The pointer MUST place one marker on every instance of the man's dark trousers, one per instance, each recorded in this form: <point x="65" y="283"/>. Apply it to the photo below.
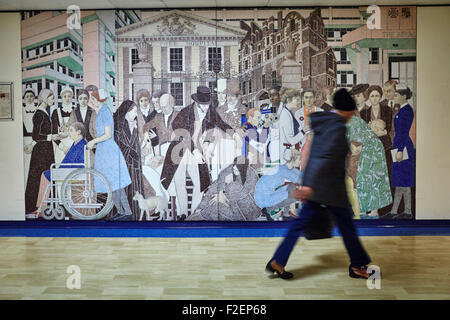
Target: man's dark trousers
<point x="344" y="220"/>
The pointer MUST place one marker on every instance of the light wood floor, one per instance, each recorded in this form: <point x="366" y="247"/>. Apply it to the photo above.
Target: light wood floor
<point x="218" y="268"/>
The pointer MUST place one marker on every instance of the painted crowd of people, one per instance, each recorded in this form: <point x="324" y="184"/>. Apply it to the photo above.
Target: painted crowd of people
<point x="208" y="160"/>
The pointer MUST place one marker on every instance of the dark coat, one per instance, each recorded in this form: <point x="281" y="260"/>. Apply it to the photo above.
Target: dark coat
<point x="89" y="121"/>
<point x="325" y="170"/>
<point x="186" y="120"/>
<point x="41" y="158"/>
<point x="129" y="144"/>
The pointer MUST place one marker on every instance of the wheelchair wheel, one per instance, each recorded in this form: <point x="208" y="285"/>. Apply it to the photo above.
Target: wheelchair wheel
<point x="80" y="198"/>
<point x="58" y="212"/>
<point x="47" y="213"/>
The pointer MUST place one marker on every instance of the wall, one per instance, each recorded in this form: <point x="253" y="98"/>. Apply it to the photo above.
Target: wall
<point x="433" y="133"/>
<point x="11" y="146"/>
<point x="433" y="116"/>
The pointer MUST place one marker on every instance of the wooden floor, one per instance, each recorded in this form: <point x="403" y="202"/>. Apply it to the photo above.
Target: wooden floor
<point x="218" y="268"/>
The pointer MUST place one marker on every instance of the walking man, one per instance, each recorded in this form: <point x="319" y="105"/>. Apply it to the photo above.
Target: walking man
<point x="324" y="184"/>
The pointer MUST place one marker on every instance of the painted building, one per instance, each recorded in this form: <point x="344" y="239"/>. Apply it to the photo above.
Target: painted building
<point x="388" y="53"/>
<point x="264" y="50"/>
<point x="54" y="55"/>
<point x="175" y="51"/>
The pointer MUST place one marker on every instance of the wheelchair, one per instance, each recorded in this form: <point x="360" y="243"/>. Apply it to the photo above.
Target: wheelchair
<point x="72" y="186"/>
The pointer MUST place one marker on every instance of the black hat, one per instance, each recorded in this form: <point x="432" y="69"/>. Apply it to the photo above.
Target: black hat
<point x="361" y="87"/>
<point x="342" y="100"/>
<point x="203" y="95"/>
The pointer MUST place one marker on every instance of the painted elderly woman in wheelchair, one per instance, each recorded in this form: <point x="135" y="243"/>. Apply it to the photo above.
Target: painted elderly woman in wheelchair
<point x="74" y="155"/>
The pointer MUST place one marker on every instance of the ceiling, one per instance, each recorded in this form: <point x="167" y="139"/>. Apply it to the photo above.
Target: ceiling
<point x="15" y="5"/>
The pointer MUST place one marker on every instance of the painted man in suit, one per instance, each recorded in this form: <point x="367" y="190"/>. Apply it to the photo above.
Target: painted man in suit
<point x="388" y="101"/>
<point x="84" y="114"/>
<point x="324" y="184"/>
<point x="191" y="149"/>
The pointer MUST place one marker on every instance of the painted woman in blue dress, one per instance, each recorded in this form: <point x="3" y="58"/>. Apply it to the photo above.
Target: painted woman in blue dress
<point x="403" y="153"/>
<point x="108" y="157"/>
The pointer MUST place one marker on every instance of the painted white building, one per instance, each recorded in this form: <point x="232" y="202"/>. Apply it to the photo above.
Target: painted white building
<point x="175" y="51"/>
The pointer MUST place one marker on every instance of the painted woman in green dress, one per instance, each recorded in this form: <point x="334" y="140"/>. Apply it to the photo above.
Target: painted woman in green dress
<point x="372" y="180"/>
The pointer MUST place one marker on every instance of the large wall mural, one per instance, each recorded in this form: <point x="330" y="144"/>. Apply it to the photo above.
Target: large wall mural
<point x="201" y="115"/>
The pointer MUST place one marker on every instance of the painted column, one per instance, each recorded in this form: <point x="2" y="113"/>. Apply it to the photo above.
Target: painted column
<point x="143" y="70"/>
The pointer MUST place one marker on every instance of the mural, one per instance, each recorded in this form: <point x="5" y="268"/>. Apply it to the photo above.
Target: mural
<point x="198" y="115"/>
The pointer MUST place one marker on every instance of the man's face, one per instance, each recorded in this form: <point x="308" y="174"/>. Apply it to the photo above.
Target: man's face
<point x="143" y="102"/>
<point x="374" y="97"/>
<point x="399" y="99"/>
<point x="359" y="98"/>
<point x="389" y="92"/>
<point x="295" y="103"/>
<point x="83" y="100"/>
<point x="308" y="99"/>
<point x="222" y="97"/>
<point x="156" y="104"/>
<point x="255" y="118"/>
<point x="232" y="99"/>
<point x="73" y="133"/>
<point x="166" y="108"/>
<point x="274" y="97"/>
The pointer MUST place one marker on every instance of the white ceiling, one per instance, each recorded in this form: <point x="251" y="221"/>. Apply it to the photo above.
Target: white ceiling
<point x="12" y="5"/>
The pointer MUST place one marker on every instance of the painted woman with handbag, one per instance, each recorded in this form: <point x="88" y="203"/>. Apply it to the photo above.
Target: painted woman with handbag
<point x="403" y="154"/>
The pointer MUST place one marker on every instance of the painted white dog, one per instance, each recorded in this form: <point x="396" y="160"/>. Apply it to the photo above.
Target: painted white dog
<point x="156" y="204"/>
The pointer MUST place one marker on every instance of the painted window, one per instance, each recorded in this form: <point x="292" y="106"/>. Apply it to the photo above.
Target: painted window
<point x="176" y="59"/>
<point x="176" y="90"/>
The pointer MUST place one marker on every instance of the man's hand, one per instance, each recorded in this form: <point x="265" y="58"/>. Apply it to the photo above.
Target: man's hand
<point x="399" y="156"/>
<point x="302" y="194"/>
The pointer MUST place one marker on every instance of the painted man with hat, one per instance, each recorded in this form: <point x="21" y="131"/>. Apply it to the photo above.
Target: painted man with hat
<point x="324" y="184"/>
<point x="192" y="147"/>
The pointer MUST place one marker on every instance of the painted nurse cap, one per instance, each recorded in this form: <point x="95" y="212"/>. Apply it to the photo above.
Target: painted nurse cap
<point x="66" y="88"/>
<point x="29" y="89"/>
